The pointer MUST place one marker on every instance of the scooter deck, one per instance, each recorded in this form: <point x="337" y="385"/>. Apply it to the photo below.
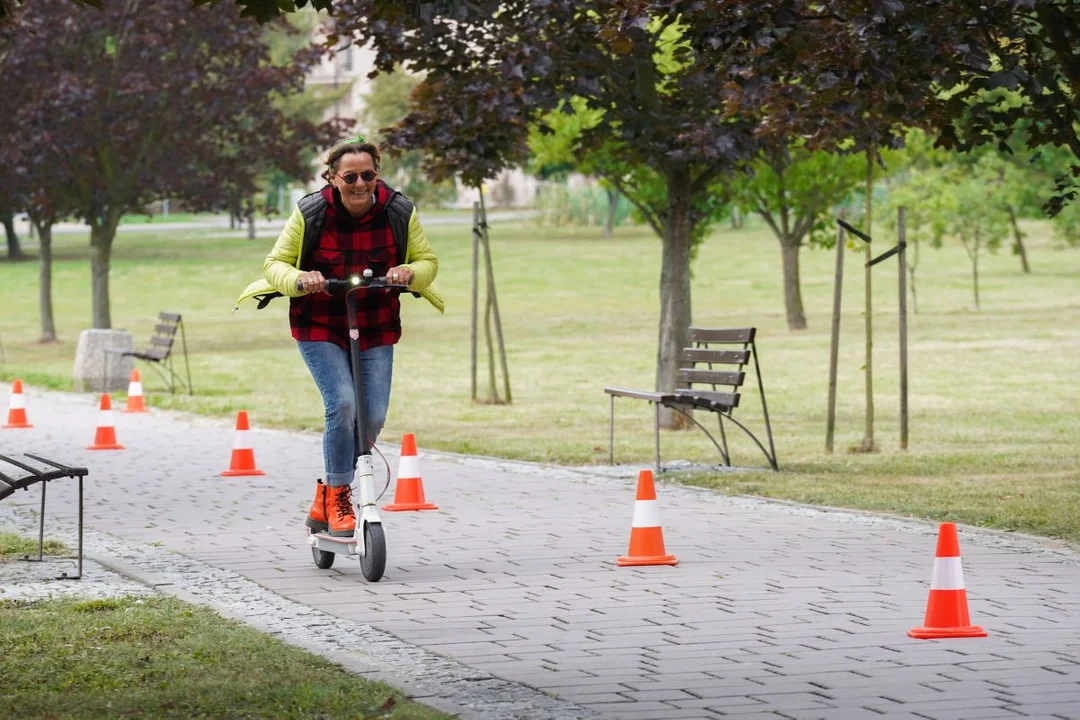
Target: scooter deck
<point x="329" y="543"/>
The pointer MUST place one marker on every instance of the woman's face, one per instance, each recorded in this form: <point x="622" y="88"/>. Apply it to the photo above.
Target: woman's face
<point x="356" y="196"/>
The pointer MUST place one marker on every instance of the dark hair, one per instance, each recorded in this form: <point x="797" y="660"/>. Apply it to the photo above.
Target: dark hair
<point x="349" y="148"/>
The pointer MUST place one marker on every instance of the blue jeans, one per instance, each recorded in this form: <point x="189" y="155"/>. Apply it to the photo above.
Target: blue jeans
<point x="330" y="367"/>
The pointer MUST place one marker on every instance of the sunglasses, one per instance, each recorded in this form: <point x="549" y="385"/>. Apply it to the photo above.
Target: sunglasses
<point x="350" y="178"/>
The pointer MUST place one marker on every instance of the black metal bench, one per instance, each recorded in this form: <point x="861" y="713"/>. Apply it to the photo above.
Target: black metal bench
<point x="159" y="353"/>
<point x="723" y="403"/>
<point x="52" y="470"/>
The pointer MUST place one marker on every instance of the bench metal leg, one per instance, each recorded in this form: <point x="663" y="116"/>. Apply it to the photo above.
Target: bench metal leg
<point x="79" y="576"/>
<point x="723" y="439"/>
<point x="611" y="433"/>
<point x="187" y="365"/>
<point x="41" y="527"/>
<point x="770" y="458"/>
<point x="764" y="410"/>
<point x="691" y="418"/>
<point x="656" y="434"/>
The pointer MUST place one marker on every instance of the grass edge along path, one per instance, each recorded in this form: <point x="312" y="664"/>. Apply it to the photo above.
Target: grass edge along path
<point x="161" y="657"/>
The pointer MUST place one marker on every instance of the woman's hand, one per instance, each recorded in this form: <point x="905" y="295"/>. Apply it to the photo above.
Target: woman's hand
<point x="400" y="275"/>
<point x="311" y="282"/>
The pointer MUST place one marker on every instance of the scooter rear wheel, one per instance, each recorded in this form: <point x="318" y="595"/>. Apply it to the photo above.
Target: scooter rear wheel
<point x="323" y="560"/>
<point x="373" y="561"/>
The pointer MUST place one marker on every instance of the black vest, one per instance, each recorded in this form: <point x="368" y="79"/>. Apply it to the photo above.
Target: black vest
<point x="313" y="207"/>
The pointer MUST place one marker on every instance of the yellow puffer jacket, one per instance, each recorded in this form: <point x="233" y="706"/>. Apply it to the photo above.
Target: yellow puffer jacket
<point x="281" y="267"/>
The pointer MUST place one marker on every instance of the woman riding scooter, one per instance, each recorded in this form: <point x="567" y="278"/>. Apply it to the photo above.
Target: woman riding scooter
<point x="355" y="222"/>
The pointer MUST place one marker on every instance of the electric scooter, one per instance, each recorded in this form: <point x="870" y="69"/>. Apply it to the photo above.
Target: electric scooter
<point x="368" y="540"/>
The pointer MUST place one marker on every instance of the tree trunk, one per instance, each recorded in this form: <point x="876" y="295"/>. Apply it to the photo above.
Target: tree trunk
<point x="1018" y="237"/>
<point x="249" y="217"/>
<point x="914" y="296"/>
<point x="102" y="234"/>
<point x="609" y="223"/>
<point x="48" y="326"/>
<point x="796" y="317"/>
<point x="868" y="437"/>
<point x="675" y="307"/>
<point x="14" y="249"/>
<point x="911" y="273"/>
<point x="975" y="268"/>
<point x="736" y="218"/>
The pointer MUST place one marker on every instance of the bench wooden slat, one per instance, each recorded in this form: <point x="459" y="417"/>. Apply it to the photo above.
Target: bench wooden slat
<point x="718" y="335"/>
<point x="707" y="397"/>
<point x="152" y="354"/>
<point x="165" y="342"/>
<point x="711" y="377"/>
<point x="717" y="357"/>
<point x="169" y="317"/>
<point x="639" y="394"/>
<point x="165" y="329"/>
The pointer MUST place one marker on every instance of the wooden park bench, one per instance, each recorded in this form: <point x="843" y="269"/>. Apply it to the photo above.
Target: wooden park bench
<point x="159" y="353"/>
<point x="721" y="402"/>
<point x="43" y="471"/>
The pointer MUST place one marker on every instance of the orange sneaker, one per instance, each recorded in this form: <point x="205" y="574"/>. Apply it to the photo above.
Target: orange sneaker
<point x="339" y="511"/>
<point x="316" y="519"/>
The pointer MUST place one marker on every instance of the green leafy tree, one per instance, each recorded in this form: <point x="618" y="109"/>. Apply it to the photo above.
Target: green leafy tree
<point x="1067" y="226"/>
<point x="926" y="208"/>
<point x="494" y="69"/>
<point x="977" y="224"/>
<point x="555" y="144"/>
<point x="385" y="105"/>
<point x="150" y="100"/>
<point x="795" y="191"/>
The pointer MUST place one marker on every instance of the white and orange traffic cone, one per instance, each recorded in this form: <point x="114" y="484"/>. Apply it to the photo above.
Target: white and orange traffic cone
<point x="135" y="402"/>
<point x="243" y="455"/>
<point x="947" y="608"/>
<point x="409" y="493"/>
<point x="646" y="535"/>
<point x="17" y="408"/>
<point x="105" y="437"/>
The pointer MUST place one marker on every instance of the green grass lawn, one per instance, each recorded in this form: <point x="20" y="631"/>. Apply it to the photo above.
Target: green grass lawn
<point x="159" y="657"/>
<point x="995" y="436"/>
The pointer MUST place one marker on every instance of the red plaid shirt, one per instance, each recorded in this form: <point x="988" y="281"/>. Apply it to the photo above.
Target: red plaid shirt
<point x="346" y="247"/>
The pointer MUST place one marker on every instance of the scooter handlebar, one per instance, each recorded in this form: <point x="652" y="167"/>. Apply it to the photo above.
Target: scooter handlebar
<point x="333" y="285"/>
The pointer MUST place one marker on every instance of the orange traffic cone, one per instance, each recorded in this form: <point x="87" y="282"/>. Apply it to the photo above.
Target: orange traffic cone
<point x="135" y="402"/>
<point x="947" y="609"/>
<point x="646" y="535"/>
<point x="409" y="494"/>
<point x="105" y="437"/>
<point x="17" y="411"/>
<point x="243" y="455"/>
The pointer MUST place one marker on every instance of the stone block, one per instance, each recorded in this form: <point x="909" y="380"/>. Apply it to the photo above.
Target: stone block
<point x="98" y="365"/>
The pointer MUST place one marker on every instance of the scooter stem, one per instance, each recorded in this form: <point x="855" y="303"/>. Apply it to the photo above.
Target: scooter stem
<point x="366" y="473"/>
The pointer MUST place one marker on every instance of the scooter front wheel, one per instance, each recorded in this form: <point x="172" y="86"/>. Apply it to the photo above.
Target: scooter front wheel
<point x="373" y="561"/>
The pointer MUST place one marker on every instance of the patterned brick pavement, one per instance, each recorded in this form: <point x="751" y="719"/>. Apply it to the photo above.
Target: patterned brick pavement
<point x="772" y="610"/>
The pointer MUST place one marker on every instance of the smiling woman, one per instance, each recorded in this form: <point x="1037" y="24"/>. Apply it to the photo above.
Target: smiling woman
<point x="352" y="168"/>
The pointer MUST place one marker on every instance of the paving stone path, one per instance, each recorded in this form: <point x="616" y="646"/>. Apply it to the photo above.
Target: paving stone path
<point x="774" y="610"/>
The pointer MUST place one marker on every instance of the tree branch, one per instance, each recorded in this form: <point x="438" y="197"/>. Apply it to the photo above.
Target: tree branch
<point x="649" y="213"/>
<point x="701" y="183"/>
<point x="803" y="224"/>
